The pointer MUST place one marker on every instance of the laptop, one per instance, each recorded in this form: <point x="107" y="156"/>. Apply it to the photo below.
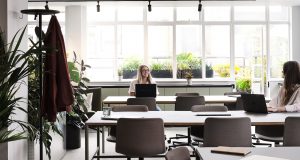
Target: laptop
<point x="145" y="90"/>
<point x="254" y="103"/>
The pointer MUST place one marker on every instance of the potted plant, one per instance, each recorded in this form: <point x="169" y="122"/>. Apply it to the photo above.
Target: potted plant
<point x="189" y="75"/>
<point x="120" y="74"/>
<point x="130" y="67"/>
<point x="78" y="115"/>
<point x="209" y="71"/>
<point x="187" y="61"/>
<point x="243" y="84"/>
<point x="161" y="69"/>
<point x="13" y="69"/>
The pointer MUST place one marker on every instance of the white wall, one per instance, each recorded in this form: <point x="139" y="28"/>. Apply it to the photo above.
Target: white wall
<point x="296" y="33"/>
<point x="10" y="23"/>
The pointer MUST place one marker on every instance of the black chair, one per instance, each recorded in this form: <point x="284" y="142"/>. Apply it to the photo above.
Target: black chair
<point x="140" y="137"/>
<point x="232" y="132"/>
<point x="238" y="105"/>
<point x="198" y="131"/>
<point x="291" y="131"/>
<point x="96" y="100"/>
<point x="150" y="102"/>
<point x="180" y="153"/>
<point x="185" y="103"/>
<point x="128" y="108"/>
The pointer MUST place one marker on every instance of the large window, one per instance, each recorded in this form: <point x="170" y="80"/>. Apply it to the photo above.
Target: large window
<point x="222" y="42"/>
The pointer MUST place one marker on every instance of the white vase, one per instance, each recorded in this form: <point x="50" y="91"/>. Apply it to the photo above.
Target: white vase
<point x="189" y="82"/>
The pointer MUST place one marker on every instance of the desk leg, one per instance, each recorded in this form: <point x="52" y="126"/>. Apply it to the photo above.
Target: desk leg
<point x="86" y="143"/>
<point x="103" y="139"/>
<point x="98" y="142"/>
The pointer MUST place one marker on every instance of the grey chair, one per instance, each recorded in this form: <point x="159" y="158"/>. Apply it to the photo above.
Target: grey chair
<point x="128" y="108"/>
<point x="232" y="132"/>
<point x="140" y="137"/>
<point x="180" y="153"/>
<point x="185" y="103"/>
<point x="238" y="105"/>
<point x="198" y="131"/>
<point x="150" y="102"/>
<point x="291" y="131"/>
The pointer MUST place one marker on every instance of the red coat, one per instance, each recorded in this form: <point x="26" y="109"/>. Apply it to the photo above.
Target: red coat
<point x="57" y="90"/>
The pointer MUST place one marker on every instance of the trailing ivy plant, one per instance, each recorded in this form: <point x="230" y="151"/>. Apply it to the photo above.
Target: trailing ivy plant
<point x="13" y="70"/>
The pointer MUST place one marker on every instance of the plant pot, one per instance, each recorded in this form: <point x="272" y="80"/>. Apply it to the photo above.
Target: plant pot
<point x="189" y="82"/>
<point x="128" y="74"/>
<point x="73" y="139"/>
<point x="161" y="73"/>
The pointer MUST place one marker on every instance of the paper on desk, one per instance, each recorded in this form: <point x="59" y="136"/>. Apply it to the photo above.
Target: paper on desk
<point x="118" y="117"/>
<point x="260" y="157"/>
<point x="231" y="150"/>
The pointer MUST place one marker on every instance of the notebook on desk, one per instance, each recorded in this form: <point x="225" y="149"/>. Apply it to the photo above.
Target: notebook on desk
<point x="231" y="150"/>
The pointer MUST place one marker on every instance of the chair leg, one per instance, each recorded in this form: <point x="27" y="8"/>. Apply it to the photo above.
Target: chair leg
<point x="140" y="158"/>
<point x="128" y="158"/>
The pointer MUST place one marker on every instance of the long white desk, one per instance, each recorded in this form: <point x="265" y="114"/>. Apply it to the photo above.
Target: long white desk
<point x="168" y="99"/>
<point x="291" y="153"/>
<point x="180" y="118"/>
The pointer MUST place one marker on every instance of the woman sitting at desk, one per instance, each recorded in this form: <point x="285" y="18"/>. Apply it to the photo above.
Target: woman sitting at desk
<point x="288" y="98"/>
<point x="143" y="77"/>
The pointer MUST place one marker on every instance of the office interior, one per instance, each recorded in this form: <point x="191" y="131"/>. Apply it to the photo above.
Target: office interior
<point x="228" y="40"/>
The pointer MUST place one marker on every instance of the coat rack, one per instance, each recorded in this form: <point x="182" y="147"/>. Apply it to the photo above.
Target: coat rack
<point x="40" y="13"/>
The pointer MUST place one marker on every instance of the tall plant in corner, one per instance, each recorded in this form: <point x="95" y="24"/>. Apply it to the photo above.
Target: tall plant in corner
<point x="13" y="70"/>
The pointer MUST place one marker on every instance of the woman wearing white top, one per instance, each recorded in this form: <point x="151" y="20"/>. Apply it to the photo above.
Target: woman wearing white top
<point x="288" y="98"/>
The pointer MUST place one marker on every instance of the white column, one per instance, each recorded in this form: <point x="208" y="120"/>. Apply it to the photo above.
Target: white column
<point x="75" y="25"/>
<point x="296" y="33"/>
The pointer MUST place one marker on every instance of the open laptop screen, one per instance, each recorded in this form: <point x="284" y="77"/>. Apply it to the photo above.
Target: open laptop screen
<point x="145" y="90"/>
<point x="255" y="103"/>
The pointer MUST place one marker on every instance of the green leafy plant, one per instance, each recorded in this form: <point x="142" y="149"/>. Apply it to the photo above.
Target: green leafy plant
<point x="120" y="72"/>
<point x="188" y="74"/>
<point x="163" y="65"/>
<point x="224" y="69"/>
<point x="79" y="109"/>
<point x="243" y="84"/>
<point x="13" y="69"/>
<point x="188" y="61"/>
<point x="131" y="64"/>
<point x="33" y="109"/>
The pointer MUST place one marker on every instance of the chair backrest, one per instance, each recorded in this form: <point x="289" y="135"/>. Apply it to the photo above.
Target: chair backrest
<point x="140" y="137"/>
<point x="187" y="94"/>
<point x="180" y="153"/>
<point x="232" y="132"/>
<point x="186" y="103"/>
<point x="96" y="99"/>
<point x="150" y="102"/>
<point x="204" y="108"/>
<point x="238" y="105"/>
<point x="291" y="131"/>
<point x="130" y="108"/>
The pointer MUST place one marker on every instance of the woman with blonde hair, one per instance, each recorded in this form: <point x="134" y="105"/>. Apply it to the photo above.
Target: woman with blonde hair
<point x="143" y="77"/>
<point x="288" y="98"/>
